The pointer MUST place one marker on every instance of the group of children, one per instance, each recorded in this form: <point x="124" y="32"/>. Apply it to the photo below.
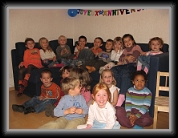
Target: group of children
<point x="73" y="100"/>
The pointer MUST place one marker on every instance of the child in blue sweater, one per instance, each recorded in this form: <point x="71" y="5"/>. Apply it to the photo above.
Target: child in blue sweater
<point x="138" y="100"/>
<point x="71" y="109"/>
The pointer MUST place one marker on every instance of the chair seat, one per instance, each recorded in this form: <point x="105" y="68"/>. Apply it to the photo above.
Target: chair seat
<point x="162" y="101"/>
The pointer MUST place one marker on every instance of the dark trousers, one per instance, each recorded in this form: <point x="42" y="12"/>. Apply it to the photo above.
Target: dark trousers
<point x="144" y="120"/>
<point x="122" y="75"/>
<point x="23" y="71"/>
<point x="95" y="63"/>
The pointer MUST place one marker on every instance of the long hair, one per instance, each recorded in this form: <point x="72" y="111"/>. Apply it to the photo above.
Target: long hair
<point x="40" y="43"/>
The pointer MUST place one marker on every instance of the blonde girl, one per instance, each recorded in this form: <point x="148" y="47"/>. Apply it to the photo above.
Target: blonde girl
<point x="47" y="55"/>
<point x="115" y="54"/>
<point x="107" y="78"/>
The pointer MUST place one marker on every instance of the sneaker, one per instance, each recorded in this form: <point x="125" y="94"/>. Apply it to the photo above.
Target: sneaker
<point x="29" y="110"/>
<point x="49" y="111"/>
<point x="18" y="108"/>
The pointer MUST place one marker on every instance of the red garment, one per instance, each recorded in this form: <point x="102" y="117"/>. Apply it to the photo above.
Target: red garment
<point x="32" y="56"/>
<point x="53" y="91"/>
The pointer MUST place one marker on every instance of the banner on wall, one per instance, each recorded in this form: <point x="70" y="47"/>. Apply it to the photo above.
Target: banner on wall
<point x="107" y="12"/>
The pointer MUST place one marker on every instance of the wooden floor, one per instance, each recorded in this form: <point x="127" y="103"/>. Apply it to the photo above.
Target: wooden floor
<point x="18" y="120"/>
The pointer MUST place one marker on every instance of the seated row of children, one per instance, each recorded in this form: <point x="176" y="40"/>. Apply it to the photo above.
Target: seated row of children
<point x="119" y="51"/>
<point x="72" y="101"/>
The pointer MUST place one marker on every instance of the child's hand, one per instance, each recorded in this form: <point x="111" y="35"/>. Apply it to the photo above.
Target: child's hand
<point x="20" y="65"/>
<point x="143" y="53"/>
<point x="71" y="110"/>
<point x="132" y="119"/>
<point x="79" y="111"/>
<point x="130" y="58"/>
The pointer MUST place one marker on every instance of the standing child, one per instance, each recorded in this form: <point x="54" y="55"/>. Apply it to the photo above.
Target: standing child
<point x="107" y="77"/>
<point x="98" y="42"/>
<point x="49" y="111"/>
<point x="50" y="93"/>
<point x="138" y="101"/>
<point x="72" y="107"/>
<point x="31" y="60"/>
<point x="156" y="45"/>
<point x="101" y="114"/>
<point x="103" y="58"/>
<point x="63" y="50"/>
<point x="115" y="54"/>
<point x="47" y="55"/>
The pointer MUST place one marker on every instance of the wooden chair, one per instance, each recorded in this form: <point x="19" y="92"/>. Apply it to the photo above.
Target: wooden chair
<point x="161" y="102"/>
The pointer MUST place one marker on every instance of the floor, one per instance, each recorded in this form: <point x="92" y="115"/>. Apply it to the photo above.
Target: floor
<point x="33" y="121"/>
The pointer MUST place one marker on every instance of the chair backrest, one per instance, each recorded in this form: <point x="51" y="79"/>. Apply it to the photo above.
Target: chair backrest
<point x="162" y="86"/>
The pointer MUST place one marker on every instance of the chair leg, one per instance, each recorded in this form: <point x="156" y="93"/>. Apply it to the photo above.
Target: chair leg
<point x="155" y="117"/>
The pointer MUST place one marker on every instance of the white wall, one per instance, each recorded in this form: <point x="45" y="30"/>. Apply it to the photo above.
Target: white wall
<point x="51" y="23"/>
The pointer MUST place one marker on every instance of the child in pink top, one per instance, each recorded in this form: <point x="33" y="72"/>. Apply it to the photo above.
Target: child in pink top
<point x="31" y="60"/>
<point x="143" y="62"/>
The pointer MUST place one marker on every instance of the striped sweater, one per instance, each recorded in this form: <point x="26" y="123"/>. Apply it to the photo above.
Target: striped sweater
<point x="139" y="100"/>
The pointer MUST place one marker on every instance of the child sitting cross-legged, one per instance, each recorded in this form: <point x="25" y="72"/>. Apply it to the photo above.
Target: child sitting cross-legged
<point x="138" y="100"/>
<point x="71" y="109"/>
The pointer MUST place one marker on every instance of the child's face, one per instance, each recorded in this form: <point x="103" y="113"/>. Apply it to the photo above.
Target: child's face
<point x="30" y="44"/>
<point x="101" y="98"/>
<point x="117" y="45"/>
<point x="62" y="41"/>
<point x="65" y="74"/>
<point x="46" y="79"/>
<point x="109" y="46"/>
<point x="128" y="42"/>
<point x="82" y="43"/>
<point x="44" y="43"/>
<point x="107" y="78"/>
<point x="139" y="82"/>
<point x="155" y="45"/>
<point x="97" y="43"/>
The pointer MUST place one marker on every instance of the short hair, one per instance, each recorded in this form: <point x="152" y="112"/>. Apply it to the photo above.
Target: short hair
<point x="82" y="37"/>
<point x="62" y="36"/>
<point x="29" y="39"/>
<point x="110" y="40"/>
<point x="69" y="83"/>
<point x="101" y="86"/>
<point x="46" y="70"/>
<point x="140" y="72"/>
<point x="100" y="39"/>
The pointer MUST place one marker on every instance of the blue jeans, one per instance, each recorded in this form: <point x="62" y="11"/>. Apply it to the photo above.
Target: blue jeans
<point x="72" y="62"/>
<point x="122" y="75"/>
<point x="38" y="105"/>
<point x="145" y="61"/>
<point x="98" y="125"/>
